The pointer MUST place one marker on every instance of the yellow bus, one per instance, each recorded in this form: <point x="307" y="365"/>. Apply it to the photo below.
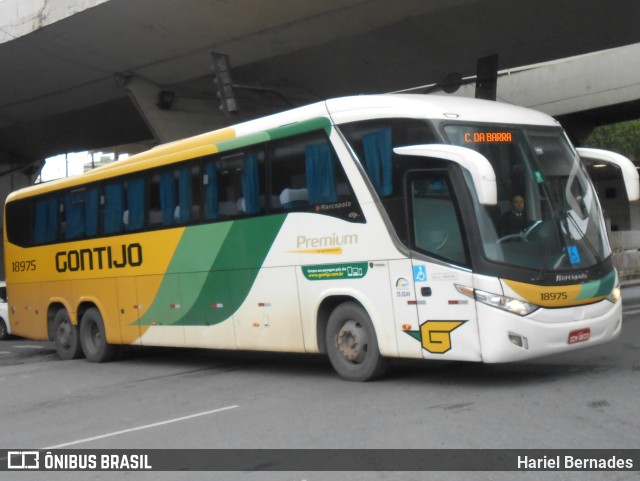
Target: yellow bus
<point x="366" y="228"/>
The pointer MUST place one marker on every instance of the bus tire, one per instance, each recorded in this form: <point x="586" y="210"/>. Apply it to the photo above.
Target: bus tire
<point x="4" y="331"/>
<point x="352" y="346"/>
<point x="93" y="338"/>
<point x="66" y="337"/>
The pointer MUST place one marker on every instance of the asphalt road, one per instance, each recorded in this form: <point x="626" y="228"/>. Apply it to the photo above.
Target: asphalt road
<point x="169" y="398"/>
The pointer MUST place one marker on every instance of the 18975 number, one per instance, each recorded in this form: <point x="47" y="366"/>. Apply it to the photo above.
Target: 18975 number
<point x="553" y="296"/>
<point x="23" y="266"/>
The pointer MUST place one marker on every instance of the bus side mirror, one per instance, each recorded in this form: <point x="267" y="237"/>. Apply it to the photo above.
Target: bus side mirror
<point x="482" y="173"/>
<point x="629" y="171"/>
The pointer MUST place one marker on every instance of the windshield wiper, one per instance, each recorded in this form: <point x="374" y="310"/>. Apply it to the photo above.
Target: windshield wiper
<point x="583" y="235"/>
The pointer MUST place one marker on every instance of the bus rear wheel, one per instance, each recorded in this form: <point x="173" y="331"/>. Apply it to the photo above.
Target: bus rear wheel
<point x="352" y="345"/>
<point x="93" y="338"/>
<point x="65" y="336"/>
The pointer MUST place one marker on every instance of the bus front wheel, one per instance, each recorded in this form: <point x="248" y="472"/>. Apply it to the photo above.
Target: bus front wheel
<point x="93" y="338"/>
<point x="352" y="345"/>
<point x="65" y="336"/>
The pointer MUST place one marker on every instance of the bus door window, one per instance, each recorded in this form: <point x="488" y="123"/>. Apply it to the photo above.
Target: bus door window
<point x="435" y="219"/>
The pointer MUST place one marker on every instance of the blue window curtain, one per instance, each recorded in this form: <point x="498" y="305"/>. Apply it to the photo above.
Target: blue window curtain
<point x="167" y="197"/>
<point x="135" y="203"/>
<point x="185" y="200"/>
<point x="251" y="184"/>
<point x="114" y="207"/>
<point x="91" y="197"/>
<point x="378" y="156"/>
<point x="321" y="184"/>
<point x="211" y="191"/>
<point x="81" y="213"/>
<point x="46" y="221"/>
<point x="74" y="214"/>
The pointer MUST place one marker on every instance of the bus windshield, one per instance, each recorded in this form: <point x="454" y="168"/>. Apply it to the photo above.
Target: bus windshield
<point x="548" y="217"/>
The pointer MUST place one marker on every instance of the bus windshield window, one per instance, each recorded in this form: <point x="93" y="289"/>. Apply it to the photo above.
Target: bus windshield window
<point x="547" y="217"/>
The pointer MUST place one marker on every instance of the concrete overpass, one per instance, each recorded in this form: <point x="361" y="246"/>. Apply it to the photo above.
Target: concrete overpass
<point x="82" y="74"/>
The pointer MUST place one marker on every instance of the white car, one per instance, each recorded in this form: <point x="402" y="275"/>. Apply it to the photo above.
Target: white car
<point x="5" y="328"/>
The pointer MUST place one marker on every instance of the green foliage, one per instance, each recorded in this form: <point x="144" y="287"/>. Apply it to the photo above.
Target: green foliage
<point x="623" y="138"/>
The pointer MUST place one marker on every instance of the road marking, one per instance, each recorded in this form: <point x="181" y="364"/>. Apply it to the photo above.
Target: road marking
<point x="139" y="428"/>
<point x="631" y="312"/>
<point x="28" y="346"/>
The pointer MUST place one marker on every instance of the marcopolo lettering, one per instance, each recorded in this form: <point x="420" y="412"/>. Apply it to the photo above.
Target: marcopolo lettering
<point x="99" y="258"/>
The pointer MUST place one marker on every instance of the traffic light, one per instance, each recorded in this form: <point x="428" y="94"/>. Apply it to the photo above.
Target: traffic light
<point x="487" y="77"/>
<point x="224" y="84"/>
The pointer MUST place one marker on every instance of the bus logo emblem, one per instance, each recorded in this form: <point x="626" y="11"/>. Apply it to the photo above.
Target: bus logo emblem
<point x="435" y="336"/>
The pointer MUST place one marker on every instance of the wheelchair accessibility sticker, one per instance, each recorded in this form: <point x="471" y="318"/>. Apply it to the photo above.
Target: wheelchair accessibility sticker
<point x="420" y="273"/>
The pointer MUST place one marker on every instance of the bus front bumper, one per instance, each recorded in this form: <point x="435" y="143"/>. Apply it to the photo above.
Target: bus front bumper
<point x="506" y="337"/>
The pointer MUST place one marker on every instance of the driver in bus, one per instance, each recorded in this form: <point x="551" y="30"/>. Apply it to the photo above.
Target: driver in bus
<point x="513" y="221"/>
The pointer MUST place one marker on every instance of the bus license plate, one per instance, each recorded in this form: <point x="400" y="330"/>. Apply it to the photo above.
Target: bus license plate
<point x="580" y="335"/>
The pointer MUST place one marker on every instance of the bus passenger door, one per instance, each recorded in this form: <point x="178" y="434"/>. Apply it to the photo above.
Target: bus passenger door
<point x="447" y="320"/>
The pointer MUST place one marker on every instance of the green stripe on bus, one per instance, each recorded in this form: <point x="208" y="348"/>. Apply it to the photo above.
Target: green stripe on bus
<point x="599" y="288"/>
<point x="214" y="283"/>
<point x="277" y="133"/>
<point x="300" y="128"/>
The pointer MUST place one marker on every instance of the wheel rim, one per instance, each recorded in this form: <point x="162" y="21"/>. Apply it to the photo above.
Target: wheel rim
<point x="63" y="334"/>
<point x="352" y="342"/>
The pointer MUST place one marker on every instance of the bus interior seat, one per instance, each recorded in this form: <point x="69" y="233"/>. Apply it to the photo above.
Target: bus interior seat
<point x="290" y="198"/>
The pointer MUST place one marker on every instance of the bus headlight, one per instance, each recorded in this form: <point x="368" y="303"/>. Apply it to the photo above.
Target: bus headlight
<point x="516" y="306"/>
<point x="614" y="295"/>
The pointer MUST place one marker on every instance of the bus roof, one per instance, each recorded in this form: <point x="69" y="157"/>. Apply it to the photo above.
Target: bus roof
<point x="436" y="107"/>
<point x="341" y="110"/>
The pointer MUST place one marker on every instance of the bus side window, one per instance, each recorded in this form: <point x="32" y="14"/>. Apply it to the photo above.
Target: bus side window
<point x="378" y="153"/>
<point x="373" y="142"/>
<point x="81" y="213"/>
<point x="20" y="222"/>
<point x="239" y="188"/>
<point x="135" y="208"/>
<point x="174" y="197"/>
<point x="288" y="177"/>
<point x="113" y="207"/>
<point x="123" y="205"/>
<point x="306" y="175"/>
<point x="305" y="172"/>
<point x="210" y="182"/>
<point x="46" y="220"/>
